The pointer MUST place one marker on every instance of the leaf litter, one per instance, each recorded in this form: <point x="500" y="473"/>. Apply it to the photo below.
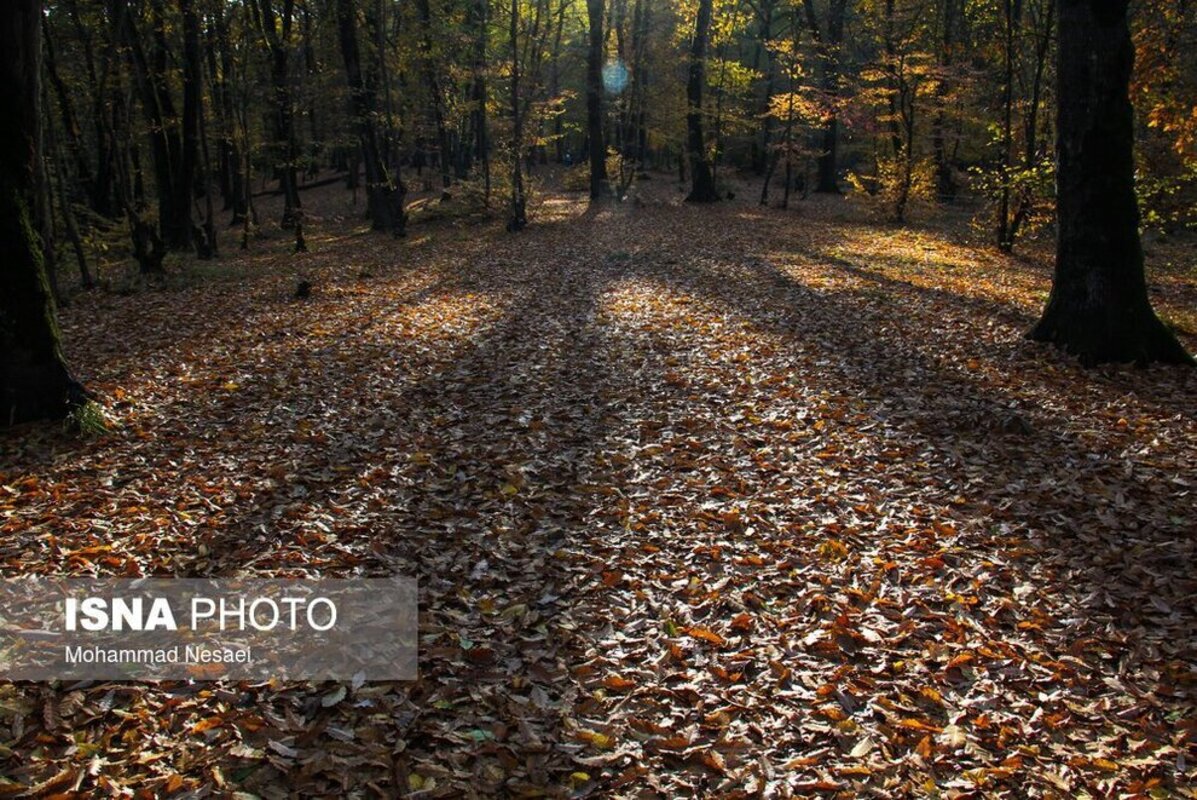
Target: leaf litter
<point x="701" y="500"/>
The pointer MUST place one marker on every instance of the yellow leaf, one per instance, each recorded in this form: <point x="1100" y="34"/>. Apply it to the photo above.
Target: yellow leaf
<point x="599" y="740"/>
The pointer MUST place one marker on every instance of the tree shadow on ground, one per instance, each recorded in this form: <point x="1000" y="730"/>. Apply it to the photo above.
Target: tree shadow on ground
<point x="584" y="407"/>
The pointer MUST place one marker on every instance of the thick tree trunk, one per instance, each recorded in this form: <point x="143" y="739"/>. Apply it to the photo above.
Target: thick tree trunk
<point x="34" y="380"/>
<point x="384" y="198"/>
<point x="702" y="189"/>
<point x="1099" y="309"/>
<point x="594" y="102"/>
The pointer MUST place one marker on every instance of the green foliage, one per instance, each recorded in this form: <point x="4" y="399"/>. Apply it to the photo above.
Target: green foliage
<point x="88" y="421"/>
<point x="1168" y="198"/>
<point x="1033" y="188"/>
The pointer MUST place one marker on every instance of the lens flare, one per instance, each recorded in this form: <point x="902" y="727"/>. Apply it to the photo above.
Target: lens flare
<point x="615" y="77"/>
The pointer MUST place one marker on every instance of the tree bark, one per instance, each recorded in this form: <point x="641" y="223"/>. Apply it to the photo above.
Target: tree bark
<point x="702" y="188"/>
<point x="34" y="380"/>
<point x="594" y="102"/>
<point x="1098" y="309"/>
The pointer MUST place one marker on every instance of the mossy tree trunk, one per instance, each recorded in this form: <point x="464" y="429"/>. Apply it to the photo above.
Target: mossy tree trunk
<point x="1098" y="309"/>
<point x="34" y="380"/>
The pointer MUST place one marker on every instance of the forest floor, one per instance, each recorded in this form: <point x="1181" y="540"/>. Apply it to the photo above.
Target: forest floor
<point x="717" y="499"/>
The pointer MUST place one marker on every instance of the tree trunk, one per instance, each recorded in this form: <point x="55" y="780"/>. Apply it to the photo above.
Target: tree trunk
<point x="945" y="183"/>
<point x="1099" y="309"/>
<point x="434" y="90"/>
<point x="1005" y="231"/>
<point x="228" y="152"/>
<point x="166" y="138"/>
<point x="278" y="42"/>
<point x="1031" y="155"/>
<point x="64" y="200"/>
<point x="384" y="198"/>
<point x="702" y="189"/>
<point x="478" y="97"/>
<point x="640" y="75"/>
<point x="761" y="160"/>
<point x="193" y="87"/>
<point x="73" y="143"/>
<point x="594" y="102"/>
<point x="519" y="217"/>
<point x="34" y="380"/>
<point x="829" y="65"/>
<point x="98" y="92"/>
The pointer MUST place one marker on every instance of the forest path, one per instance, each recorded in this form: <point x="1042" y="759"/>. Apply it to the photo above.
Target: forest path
<point x="699" y="499"/>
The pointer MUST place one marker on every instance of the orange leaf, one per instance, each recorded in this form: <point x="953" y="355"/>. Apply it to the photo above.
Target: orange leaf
<point x="707" y="635"/>
<point x="207" y="724"/>
<point x="618" y="683"/>
<point x="919" y="725"/>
